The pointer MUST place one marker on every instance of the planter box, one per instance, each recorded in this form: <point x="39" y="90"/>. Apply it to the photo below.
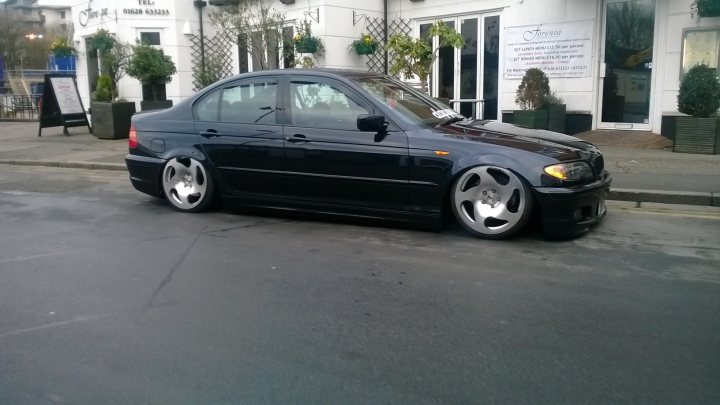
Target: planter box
<point x="537" y="119"/>
<point x="556" y="117"/>
<point x="697" y="135"/>
<point x="111" y="120"/>
<point x="155" y="105"/>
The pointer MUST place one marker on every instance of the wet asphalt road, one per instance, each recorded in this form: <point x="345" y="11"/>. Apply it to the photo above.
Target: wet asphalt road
<point x="108" y="296"/>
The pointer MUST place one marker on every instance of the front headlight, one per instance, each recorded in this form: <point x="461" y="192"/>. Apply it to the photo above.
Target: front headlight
<point x="570" y="172"/>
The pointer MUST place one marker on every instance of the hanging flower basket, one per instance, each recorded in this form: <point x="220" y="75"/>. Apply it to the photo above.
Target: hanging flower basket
<point x="366" y="45"/>
<point x="305" y="41"/>
<point x="305" y="44"/>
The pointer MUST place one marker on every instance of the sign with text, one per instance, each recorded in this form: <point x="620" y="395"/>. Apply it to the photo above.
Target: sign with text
<point x="67" y="96"/>
<point x="559" y="50"/>
<point x="60" y="104"/>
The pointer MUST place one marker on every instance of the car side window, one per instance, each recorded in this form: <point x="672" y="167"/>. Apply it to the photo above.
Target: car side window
<point x="321" y="105"/>
<point x="207" y="108"/>
<point x="252" y="103"/>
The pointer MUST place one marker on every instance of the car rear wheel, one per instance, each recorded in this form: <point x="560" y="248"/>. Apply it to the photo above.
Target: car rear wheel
<point x="187" y="185"/>
<point x="491" y="202"/>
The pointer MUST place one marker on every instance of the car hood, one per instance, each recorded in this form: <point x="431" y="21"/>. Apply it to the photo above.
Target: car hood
<point x="560" y="146"/>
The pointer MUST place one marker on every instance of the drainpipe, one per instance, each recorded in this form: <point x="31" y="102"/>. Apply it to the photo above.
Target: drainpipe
<point x="200" y="5"/>
<point x="385" y="32"/>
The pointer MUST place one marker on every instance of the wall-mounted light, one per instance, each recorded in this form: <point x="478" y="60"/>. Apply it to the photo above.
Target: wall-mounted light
<point x="187" y="29"/>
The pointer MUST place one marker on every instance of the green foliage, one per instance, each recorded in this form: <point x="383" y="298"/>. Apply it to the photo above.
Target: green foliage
<point x="213" y="70"/>
<point x="304" y="40"/>
<point x="533" y="89"/>
<point x="699" y="94"/>
<point x="415" y="56"/>
<point x="61" y="47"/>
<point x="150" y="65"/>
<point x="553" y="99"/>
<point x="102" y="41"/>
<point x="366" y="45"/>
<point x="103" y="89"/>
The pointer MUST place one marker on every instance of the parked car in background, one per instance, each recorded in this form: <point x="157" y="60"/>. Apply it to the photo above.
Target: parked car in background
<point x="365" y="145"/>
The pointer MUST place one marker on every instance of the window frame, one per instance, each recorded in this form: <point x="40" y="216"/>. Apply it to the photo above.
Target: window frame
<point x="220" y="90"/>
<point x="343" y="88"/>
<point x="159" y="36"/>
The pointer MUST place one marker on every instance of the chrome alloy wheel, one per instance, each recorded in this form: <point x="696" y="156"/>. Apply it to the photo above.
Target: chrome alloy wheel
<point x="186" y="184"/>
<point x="491" y="202"/>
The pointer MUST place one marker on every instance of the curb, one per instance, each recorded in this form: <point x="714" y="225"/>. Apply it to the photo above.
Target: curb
<point x="67" y="164"/>
<point x="616" y="194"/>
<point x="665" y="197"/>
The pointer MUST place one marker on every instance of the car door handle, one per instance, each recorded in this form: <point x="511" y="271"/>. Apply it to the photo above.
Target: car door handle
<point x="210" y="133"/>
<point x="297" y="138"/>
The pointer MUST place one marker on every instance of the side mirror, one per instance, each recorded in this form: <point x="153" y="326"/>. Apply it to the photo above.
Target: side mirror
<point x="371" y="123"/>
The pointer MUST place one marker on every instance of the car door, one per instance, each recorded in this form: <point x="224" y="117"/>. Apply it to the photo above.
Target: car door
<point x="242" y="136"/>
<point x="329" y="160"/>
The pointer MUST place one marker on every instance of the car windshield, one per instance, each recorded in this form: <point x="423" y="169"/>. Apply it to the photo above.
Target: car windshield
<point x="412" y="105"/>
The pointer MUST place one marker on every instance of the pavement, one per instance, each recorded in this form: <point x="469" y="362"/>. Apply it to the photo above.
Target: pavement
<point x="643" y="165"/>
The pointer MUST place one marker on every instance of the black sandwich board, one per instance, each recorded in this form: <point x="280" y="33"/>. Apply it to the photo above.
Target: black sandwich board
<point x="60" y="104"/>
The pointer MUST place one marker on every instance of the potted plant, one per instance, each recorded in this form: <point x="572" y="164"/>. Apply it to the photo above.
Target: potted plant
<point x="415" y="56"/>
<point x="699" y="97"/>
<point x="154" y="70"/>
<point x="530" y="96"/>
<point x="556" y="110"/>
<point x="306" y="45"/>
<point x="63" y="54"/>
<point x="366" y="45"/>
<point x="110" y="115"/>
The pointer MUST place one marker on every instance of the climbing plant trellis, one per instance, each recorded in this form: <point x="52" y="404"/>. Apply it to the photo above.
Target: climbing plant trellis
<point x="375" y="27"/>
<point x="217" y="47"/>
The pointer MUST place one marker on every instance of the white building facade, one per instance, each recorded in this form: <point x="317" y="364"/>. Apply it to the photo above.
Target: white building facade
<point x="616" y="63"/>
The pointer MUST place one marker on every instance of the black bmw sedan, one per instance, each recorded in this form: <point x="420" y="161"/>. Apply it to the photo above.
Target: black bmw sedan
<point x="365" y="145"/>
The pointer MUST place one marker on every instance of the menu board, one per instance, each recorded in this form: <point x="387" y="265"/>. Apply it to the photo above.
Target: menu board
<point x="67" y="96"/>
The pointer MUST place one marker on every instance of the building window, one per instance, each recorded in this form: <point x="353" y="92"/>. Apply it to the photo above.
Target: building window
<point x="700" y="46"/>
<point x="62" y="15"/>
<point x="150" y="38"/>
<point x="27" y="12"/>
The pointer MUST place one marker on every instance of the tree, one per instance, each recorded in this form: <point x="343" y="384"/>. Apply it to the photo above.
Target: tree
<point x="415" y="56"/>
<point x="253" y="25"/>
<point x="151" y="67"/>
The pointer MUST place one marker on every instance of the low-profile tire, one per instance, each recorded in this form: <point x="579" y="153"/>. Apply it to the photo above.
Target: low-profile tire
<point x="187" y="185"/>
<point x="491" y="202"/>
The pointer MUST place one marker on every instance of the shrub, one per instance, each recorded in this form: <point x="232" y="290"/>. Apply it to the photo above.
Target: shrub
<point x="103" y="89"/>
<point x="699" y="93"/>
<point x="533" y="89"/>
<point x="61" y="47"/>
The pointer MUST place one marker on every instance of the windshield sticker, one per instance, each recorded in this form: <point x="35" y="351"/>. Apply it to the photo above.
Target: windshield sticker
<point x="444" y="113"/>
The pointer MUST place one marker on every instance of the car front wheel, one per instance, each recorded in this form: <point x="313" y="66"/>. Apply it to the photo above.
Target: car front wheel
<point x="491" y="202"/>
<point x="187" y="185"/>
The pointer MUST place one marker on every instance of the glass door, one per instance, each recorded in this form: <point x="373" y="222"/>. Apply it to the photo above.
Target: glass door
<point x="467" y="78"/>
<point x="626" y="74"/>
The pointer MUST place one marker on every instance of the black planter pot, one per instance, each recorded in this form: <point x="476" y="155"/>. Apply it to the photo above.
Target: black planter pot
<point x="556" y="117"/>
<point x="535" y="119"/>
<point x="111" y="120"/>
<point x="697" y="135"/>
<point x="155" y="105"/>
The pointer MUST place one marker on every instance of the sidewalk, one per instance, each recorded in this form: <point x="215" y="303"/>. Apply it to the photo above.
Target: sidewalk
<point x="643" y="166"/>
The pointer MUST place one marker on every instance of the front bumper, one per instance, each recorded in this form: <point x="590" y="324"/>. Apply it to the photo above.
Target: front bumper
<point x="570" y="211"/>
<point x="145" y="173"/>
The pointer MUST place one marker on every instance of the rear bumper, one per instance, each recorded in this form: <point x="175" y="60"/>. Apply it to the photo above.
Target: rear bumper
<point x="145" y="173"/>
<point x="571" y="211"/>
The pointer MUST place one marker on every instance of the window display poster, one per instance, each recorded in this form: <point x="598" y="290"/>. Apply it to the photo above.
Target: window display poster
<point x="559" y="50"/>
